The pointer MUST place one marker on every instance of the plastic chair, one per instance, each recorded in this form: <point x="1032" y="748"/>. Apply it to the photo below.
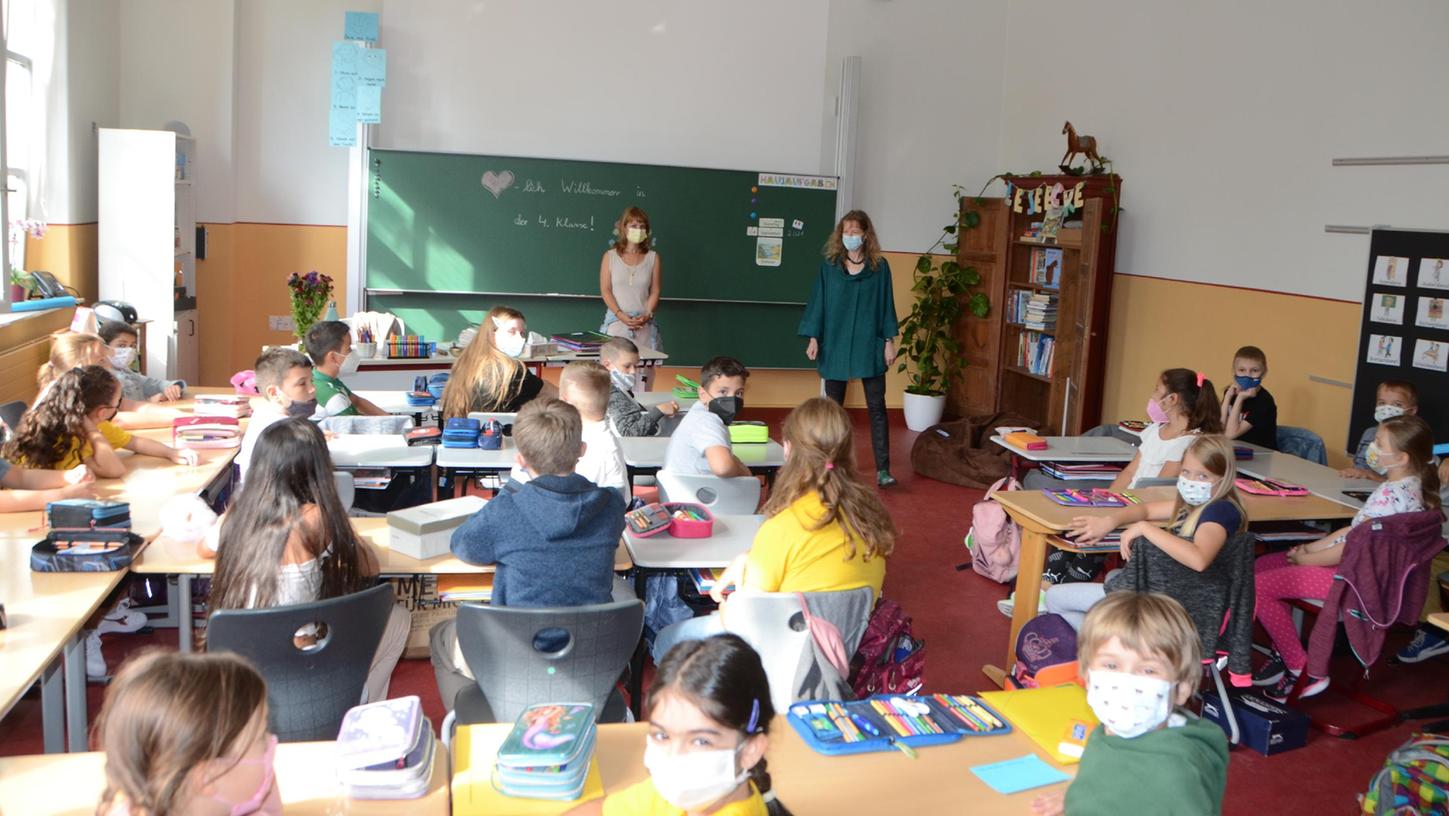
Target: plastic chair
<point x="10" y="414"/>
<point x="1303" y="443"/>
<point x="773" y="624"/>
<point x="506" y="649"/>
<point x="308" y="689"/>
<point x="734" y="496"/>
<point x="346" y="487"/>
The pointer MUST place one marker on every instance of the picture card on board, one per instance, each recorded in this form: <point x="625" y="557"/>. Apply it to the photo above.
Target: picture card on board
<point x="1434" y="273"/>
<point x="1431" y="354"/>
<point x="1387" y="309"/>
<point x="1433" y="313"/>
<point x="1385" y="349"/>
<point x="1391" y="271"/>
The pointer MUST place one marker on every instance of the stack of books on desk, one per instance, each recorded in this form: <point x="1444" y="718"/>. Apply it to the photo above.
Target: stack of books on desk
<point x="1078" y="471"/>
<point x="235" y="406"/>
<point x="580" y="341"/>
<point x="385" y="750"/>
<point x="548" y="753"/>
<point x="473" y="587"/>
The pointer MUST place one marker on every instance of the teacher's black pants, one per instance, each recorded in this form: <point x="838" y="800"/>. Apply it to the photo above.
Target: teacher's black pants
<point x="880" y="440"/>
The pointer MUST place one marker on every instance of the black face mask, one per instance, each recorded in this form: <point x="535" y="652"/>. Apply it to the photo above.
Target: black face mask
<point x="302" y="409"/>
<point x="726" y="408"/>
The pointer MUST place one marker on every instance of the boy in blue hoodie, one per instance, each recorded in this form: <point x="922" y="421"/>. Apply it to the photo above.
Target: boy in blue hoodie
<point x="552" y="538"/>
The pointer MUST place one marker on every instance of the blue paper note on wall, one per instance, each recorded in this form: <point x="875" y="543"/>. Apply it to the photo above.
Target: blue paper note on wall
<point x="372" y="66"/>
<point x="360" y="25"/>
<point x="369" y="104"/>
<point x="345" y="59"/>
<point x="342" y="127"/>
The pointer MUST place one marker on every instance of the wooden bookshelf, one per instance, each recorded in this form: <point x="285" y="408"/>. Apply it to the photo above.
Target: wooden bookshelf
<point x="1067" y="399"/>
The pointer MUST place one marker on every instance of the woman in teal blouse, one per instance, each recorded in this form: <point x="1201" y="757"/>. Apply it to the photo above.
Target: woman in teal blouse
<point x="851" y="323"/>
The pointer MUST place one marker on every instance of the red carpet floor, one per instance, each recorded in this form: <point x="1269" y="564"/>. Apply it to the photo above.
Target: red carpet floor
<point x="955" y="612"/>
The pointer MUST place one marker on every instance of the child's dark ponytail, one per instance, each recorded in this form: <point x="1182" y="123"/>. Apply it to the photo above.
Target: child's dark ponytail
<point x="1199" y="399"/>
<point x="725" y="679"/>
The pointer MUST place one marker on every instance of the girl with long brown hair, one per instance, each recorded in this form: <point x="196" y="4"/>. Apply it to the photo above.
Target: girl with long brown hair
<point x="76" y="349"/>
<point x="287" y="540"/>
<point x="187" y="734"/>
<point x="824" y="529"/>
<point x="851" y="323"/>
<point x="488" y="375"/>
<point x="630" y="277"/>
<point x="1183" y="405"/>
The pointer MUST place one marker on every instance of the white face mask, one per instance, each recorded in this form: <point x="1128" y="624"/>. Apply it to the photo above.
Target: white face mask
<point x="1129" y="705"/>
<point x="1386" y="412"/>
<point x="122" y="357"/>
<point x="624" y="382"/>
<point x="349" y="363"/>
<point x="1194" y="492"/>
<point x="1375" y="459"/>
<point x="636" y="235"/>
<point x="694" y="780"/>
<point x="511" y="344"/>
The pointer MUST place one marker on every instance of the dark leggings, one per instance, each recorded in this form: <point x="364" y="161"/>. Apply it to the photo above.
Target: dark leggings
<point x="880" y="441"/>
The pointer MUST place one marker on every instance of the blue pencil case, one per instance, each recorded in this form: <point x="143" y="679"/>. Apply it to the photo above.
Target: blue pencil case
<point x="893" y="722"/>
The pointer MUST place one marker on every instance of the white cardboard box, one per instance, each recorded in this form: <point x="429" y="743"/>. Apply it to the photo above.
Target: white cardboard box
<point x="424" y="531"/>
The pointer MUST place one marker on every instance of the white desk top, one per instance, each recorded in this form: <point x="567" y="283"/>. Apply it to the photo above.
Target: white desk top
<point x="649" y="399"/>
<point x="732" y="536"/>
<point x="1319" y="479"/>
<point x="648" y="452"/>
<point x="1075" y="449"/>
<point x="394" y="402"/>
<point x="477" y="458"/>
<point x="378" y="450"/>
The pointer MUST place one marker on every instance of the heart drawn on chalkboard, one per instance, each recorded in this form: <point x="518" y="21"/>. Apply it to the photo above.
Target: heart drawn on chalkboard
<point x="497" y="182"/>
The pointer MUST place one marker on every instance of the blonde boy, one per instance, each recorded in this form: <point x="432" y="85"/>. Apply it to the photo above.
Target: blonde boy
<point x="1140" y="658"/>
<point x="626" y="417"/>
<point x="1392" y="398"/>
<point x="585" y="386"/>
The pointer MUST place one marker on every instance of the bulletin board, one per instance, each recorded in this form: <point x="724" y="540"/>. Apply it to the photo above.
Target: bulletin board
<point x="1404" y="331"/>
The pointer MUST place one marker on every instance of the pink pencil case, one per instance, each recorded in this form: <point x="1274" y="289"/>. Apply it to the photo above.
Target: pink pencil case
<point x="1269" y="487"/>
<point x="699" y="525"/>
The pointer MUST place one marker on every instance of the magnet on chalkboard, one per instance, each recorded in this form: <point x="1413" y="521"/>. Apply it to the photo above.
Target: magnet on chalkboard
<point x="754" y="201"/>
<point x="754" y="189"/>
<point x="752" y="216"/>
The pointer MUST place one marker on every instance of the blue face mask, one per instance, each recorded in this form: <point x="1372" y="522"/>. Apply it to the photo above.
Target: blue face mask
<point x="1248" y="383"/>
<point x="852" y="242"/>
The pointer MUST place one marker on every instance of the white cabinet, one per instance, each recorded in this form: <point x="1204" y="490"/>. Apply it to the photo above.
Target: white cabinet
<point x="147" y="241"/>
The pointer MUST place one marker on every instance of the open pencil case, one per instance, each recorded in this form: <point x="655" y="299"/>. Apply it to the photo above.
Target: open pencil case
<point x="1095" y="497"/>
<point x="886" y="722"/>
<point x="1269" y="487"/>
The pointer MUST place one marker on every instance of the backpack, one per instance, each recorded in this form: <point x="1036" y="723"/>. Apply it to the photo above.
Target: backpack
<point x="889" y="660"/>
<point x="1414" y="779"/>
<point x="994" y="539"/>
<point x="1046" y="653"/>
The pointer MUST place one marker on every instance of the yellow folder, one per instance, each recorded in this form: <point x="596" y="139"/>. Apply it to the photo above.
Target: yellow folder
<point x="1044" y="713"/>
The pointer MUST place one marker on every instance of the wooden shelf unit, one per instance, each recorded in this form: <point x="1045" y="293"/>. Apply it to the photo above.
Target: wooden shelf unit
<point x="1067" y="400"/>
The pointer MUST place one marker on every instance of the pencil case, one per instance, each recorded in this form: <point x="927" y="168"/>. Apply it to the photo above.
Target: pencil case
<point x="887" y="721"/>
<point x="65" y="552"/>
<point x="461" y="432"/>
<point x="490" y="435"/>
<point x="749" y="432"/>
<point x="420" y="396"/>
<point x="1096" y="497"/>
<point x="73" y="515"/>
<point x="205" y="432"/>
<point x="1026" y="441"/>
<point x="695" y="521"/>
<point x="1269" y="487"/>
<point x="649" y="520"/>
<point x="436" y="384"/>
<point x="687" y="389"/>
<point x="1240" y="453"/>
<point x="423" y="436"/>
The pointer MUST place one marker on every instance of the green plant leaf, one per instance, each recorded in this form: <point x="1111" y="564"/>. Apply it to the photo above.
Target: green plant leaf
<point x="972" y="219"/>
<point x="923" y="264"/>
<point x="950" y="229"/>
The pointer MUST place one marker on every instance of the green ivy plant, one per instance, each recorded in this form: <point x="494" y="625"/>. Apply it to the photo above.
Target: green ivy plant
<point x="929" y="349"/>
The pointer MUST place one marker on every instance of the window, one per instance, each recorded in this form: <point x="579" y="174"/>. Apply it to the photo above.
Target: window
<point x="27" y="26"/>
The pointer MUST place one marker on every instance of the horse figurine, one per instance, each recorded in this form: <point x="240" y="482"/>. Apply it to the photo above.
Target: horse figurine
<point x="1086" y="145"/>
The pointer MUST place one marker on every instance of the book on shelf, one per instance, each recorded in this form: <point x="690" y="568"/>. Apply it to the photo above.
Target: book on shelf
<point x="1035" y="310"/>
<point x="1046" y="267"/>
<point x="1034" y="352"/>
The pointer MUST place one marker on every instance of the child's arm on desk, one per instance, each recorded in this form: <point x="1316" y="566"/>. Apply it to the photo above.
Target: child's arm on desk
<point x="1091" y="529"/>
<point x="366" y="407"/>
<point x="1050" y="804"/>
<point x="150" y="447"/>
<point x="28" y="489"/>
<point x="103" y="461"/>
<point x="723" y="462"/>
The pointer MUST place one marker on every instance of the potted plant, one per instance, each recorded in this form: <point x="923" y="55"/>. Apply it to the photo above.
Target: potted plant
<point x="309" y="294"/>
<point x="929" y="350"/>
<point x="20" y="281"/>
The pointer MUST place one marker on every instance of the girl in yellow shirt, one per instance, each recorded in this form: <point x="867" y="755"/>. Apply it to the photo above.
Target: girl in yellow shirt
<point x="825" y="529"/>
<point x="709" y="719"/>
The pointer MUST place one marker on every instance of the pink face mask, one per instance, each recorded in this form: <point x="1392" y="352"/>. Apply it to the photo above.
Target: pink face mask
<point x="267" y="799"/>
<point x="1155" y="411"/>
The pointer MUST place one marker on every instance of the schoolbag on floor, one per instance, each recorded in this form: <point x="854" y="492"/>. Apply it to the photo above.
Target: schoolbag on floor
<point x="994" y="539"/>
<point x="1046" y="653"/>
<point x="889" y="660"/>
<point x="1414" y="779"/>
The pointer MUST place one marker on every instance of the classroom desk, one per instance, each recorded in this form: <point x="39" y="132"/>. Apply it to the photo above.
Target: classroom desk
<point x="168" y="557"/>
<point x="472" y="461"/>
<point x="1319" y="479"/>
<point x="386" y="373"/>
<point x="72" y="784"/>
<point x="1440" y="619"/>
<point x="649" y="399"/>
<point x="938" y="781"/>
<point x="645" y="455"/>
<point x="378" y="450"/>
<point x="1041" y="518"/>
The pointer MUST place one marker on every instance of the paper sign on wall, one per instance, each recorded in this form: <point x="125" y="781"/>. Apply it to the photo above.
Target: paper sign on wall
<point x="369" y="104"/>
<point x="360" y="25"/>
<point x="372" y="66"/>
<point x="768" y="251"/>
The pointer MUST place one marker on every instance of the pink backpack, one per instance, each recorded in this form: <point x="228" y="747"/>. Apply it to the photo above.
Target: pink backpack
<point x="994" y="539"/>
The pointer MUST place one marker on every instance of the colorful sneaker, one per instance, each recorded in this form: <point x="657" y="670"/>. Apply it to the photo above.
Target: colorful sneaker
<point x="1281" y="690"/>
<point x="1007" y="605"/>
<point x="1269" y="673"/>
<point x="885" y="479"/>
<point x="122" y="619"/>
<point x="1426" y="644"/>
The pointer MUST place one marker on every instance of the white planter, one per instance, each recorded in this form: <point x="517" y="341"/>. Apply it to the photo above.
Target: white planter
<point x="923" y="411"/>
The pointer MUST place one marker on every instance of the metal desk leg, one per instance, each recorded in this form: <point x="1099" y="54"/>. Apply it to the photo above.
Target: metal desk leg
<point x="76" y="726"/>
<point x="184" y="625"/>
<point x="52" y="710"/>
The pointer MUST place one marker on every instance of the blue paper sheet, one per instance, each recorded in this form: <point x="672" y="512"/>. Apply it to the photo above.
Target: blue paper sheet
<point x="1016" y="775"/>
<point x="360" y="25"/>
<point x="369" y="104"/>
<point x="372" y="66"/>
<point x="342" y="127"/>
<point x="344" y="59"/>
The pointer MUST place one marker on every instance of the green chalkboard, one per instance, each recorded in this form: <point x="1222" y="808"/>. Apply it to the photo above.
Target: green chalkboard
<point x="450" y="235"/>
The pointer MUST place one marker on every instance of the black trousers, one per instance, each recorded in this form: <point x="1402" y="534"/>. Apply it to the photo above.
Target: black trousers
<point x="880" y="440"/>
